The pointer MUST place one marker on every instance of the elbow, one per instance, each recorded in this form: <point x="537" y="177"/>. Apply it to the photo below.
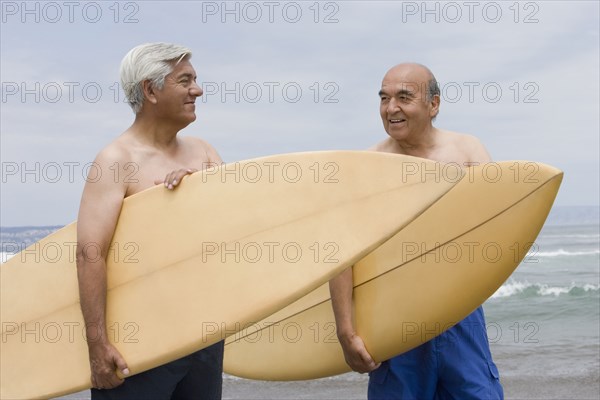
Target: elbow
<point x="86" y="254"/>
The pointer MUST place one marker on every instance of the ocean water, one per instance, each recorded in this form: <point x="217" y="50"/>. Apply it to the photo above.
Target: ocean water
<point x="543" y="323"/>
<point x="545" y="320"/>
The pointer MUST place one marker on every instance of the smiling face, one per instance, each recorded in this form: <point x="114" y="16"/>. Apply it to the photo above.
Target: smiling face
<point x="405" y="108"/>
<point x="175" y="100"/>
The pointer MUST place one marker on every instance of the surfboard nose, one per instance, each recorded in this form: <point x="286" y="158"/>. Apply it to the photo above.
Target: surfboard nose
<point x="552" y="178"/>
<point x="530" y="171"/>
<point x="534" y="175"/>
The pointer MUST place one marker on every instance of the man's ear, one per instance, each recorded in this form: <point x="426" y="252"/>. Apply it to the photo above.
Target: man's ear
<point x="149" y="93"/>
<point x="434" y="105"/>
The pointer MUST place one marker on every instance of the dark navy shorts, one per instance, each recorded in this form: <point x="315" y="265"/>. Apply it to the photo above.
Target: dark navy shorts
<point x="198" y="376"/>
<point x="455" y="365"/>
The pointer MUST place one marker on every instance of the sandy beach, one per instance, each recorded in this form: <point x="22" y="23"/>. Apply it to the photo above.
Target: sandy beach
<point x="354" y="387"/>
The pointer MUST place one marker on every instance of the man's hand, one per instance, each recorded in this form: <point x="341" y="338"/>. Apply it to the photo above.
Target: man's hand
<point x="173" y="178"/>
<point x="105" y="359"/>
<point x="356" y="354"/>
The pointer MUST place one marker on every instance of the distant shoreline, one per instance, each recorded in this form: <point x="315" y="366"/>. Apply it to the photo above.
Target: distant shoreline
<point x="579" y="215"/>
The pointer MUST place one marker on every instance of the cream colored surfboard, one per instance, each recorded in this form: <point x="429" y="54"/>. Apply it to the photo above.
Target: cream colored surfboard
<point x="425" y="279"/>
<point x="188" y="267"/>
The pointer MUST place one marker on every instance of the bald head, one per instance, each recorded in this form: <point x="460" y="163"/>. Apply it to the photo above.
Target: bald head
<point x="416" y="73"/>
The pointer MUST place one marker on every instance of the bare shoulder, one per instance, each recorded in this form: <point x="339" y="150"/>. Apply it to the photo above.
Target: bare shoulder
<point x="115" y="152"/>
<point x="458" y="138"/>
<point x="470" y="146"/>
<point x="103" y="194"/>
<point x="104" y="174"/>
<point x="201" y="146"/>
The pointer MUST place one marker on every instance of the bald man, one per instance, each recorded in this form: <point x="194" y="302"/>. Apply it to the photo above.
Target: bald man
<point x="458" y="363"/>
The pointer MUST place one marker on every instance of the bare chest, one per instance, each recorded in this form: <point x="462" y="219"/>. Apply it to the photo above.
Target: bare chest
<point x="144" y="172"/>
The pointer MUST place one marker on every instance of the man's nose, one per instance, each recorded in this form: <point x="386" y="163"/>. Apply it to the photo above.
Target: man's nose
<point x="196" y="90"/>
<point x="392" y="106"/>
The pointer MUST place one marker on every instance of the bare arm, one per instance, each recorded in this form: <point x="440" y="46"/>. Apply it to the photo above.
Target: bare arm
<point x="341" y="289"/>
<point x="98" y="213"/>
<point x="355" y="352"/>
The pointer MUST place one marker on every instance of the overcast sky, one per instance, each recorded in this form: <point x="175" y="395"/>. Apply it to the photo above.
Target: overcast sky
<point x="283" y="76"/>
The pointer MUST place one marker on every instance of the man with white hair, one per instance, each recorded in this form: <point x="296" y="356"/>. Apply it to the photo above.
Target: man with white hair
<point x="458" y="363"/>
<point x="160" y="85"/>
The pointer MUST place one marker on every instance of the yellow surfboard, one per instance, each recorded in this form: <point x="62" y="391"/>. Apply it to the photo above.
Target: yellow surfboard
<point x="422" y="281"/>
<point x="189" y="267"/>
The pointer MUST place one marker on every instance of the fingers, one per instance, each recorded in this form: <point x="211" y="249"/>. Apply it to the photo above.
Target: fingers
<point x="174" y="178"/>
<point x="108" y="382"/>
<point x="105" y="379"/>
<point x="121" y="365"/>
<point x="363" y="363"/>
<point x="368" y="364"/>
<point x="103" y="367"/>
<point x="357" y="356"/>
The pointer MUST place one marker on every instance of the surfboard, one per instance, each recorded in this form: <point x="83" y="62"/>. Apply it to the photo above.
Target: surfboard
<point x="419" y="283"/>
<point x="189" y="267"/>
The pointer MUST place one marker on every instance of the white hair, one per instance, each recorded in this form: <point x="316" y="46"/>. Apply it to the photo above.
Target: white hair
<point x="150" y="61"/>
